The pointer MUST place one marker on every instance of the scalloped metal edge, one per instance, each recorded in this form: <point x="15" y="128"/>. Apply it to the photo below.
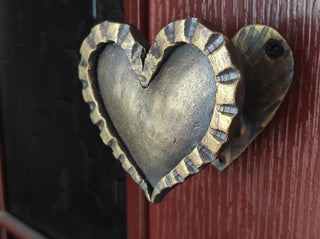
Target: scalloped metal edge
<point x="228" y="78"/>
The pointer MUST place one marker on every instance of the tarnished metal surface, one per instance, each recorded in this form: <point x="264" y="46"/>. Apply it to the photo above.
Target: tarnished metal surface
<point x="156" y="123"/>
<point x="268" y="66"/>
<point x="168" y="113"/>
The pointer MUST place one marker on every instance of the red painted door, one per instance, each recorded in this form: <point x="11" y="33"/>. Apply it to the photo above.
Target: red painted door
<point x="273" y="189"/>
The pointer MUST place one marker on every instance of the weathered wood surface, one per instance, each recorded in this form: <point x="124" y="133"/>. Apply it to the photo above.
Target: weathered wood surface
<point x="272" y="190"/>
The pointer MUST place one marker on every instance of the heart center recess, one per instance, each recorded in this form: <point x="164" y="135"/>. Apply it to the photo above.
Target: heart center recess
<point x="163" y="123"/>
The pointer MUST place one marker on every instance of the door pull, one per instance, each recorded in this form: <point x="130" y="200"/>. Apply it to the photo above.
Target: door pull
<point x="193" y="98"/>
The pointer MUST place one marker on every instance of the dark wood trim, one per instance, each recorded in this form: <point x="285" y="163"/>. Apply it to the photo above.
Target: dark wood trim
<point x="17" y="228"/>
<point x="136" y="13"/>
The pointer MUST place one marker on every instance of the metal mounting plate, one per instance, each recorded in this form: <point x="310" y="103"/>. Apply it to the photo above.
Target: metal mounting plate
<point x="268" y="68"/>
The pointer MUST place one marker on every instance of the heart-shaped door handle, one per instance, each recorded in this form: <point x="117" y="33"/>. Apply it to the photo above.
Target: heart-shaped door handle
<point x="169" y="110"/>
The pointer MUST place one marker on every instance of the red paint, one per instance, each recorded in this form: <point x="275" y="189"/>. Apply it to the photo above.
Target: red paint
<point x="136" y="13"/>
<point x="273" y="189"/>
<point x="137" y="212"/>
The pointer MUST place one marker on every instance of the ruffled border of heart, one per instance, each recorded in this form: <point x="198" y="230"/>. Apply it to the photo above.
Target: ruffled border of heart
<point x="228" y="79"/>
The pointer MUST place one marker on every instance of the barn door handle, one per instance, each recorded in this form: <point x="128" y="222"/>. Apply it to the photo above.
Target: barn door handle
<point x="195" y="97"/>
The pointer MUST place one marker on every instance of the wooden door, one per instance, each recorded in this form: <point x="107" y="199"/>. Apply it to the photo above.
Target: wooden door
<point x="272" y="190"/>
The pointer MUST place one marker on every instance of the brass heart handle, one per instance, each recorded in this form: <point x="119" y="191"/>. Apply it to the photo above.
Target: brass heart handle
<point x="169" y="110"/>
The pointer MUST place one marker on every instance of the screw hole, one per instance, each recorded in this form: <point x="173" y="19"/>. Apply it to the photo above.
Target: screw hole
<point x="274" y="48"/>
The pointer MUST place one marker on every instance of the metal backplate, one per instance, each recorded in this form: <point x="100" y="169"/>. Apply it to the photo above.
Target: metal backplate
<point x="268" y="67"/>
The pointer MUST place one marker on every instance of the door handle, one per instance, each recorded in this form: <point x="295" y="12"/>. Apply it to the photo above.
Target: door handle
<point x="194" y="98"/>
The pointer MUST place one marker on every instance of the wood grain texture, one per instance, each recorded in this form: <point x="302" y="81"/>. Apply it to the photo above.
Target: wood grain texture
<point x="136" y="13"/>
<point x="273" y="189"/>
<point x="137" y="211"/>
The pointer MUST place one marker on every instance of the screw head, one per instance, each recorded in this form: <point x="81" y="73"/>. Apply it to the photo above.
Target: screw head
<point x="274" y="48"/>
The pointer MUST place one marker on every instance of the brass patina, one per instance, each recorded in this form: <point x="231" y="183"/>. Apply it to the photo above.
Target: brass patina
<point x="169" y="110"/>
<point x="268" y="65"/>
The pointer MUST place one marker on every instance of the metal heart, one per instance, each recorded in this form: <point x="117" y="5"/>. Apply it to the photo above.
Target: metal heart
<point x="167" y="114"/>
<point x="155" y="122"/>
